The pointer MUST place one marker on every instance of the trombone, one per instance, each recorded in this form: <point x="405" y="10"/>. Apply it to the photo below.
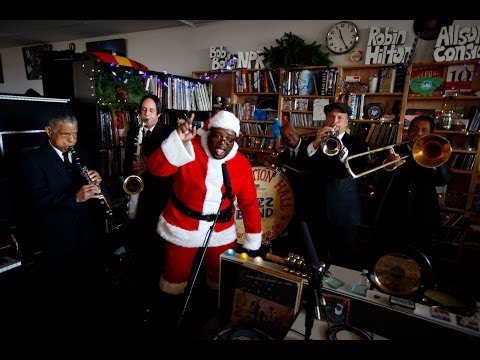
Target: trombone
<point x="428" y="151"/>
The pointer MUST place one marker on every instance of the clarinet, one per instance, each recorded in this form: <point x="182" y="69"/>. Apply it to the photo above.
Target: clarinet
<point x="84" y="172"/>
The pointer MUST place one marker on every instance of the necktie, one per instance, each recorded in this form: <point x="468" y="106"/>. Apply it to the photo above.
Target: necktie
<point x="292" y="157"/>
<point x="66" y="160"/>
<point x="147" y="134"/>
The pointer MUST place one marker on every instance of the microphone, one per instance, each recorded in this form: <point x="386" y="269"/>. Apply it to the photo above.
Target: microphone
<point x="315" y="269"/>
<point x="226" y="181"/>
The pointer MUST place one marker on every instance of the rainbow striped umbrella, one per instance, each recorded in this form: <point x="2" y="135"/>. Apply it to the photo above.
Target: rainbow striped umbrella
<point x="116" y="60"/>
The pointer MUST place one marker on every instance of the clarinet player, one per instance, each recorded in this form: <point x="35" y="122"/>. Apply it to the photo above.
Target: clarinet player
<point x="62" y="217"/>
<point x="143" y="239"/>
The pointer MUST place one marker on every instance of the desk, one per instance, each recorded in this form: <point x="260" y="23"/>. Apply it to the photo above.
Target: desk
<point x="319" y="330"/>
<point x="372" y="312"/>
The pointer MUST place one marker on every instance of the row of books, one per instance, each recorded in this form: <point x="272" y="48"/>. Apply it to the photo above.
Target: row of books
<point x="356" y="103"/>
<point x="257" y="142"/>
<point x="296" y="119"/>
<point x="375" y="134"/>
<point x="153" y="84"/>
<point x="183" y="94"/>
<point x="324" y="83"/>
<point x="451" y="218"/>
<point x="474" y="115"/>
<point x="112" y="161"/>
<point x="261" y="81"/>
<point x="114" y="125"/>
<point x="449" y="235"/>
<point x="391" y="79"/>
<point x="462" y="161"/>
<point x="300" y="104"/>
<point x="245" y="111"/>
<point x="256" y="128"/>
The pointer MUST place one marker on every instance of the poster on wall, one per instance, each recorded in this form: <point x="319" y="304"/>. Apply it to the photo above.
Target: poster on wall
<point x="32" y="56"/>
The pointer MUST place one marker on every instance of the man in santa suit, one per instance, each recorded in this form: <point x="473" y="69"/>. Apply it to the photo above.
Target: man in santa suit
<point x="198" y="189"/>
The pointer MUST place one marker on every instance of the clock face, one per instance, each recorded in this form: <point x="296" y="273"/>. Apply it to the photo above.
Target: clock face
<point x="342" y="37"/>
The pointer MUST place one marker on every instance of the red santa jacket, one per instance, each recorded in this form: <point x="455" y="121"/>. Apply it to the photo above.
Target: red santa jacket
<point x="198" y="183"/>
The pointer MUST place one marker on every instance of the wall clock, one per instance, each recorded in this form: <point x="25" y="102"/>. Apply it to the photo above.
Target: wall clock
<point x="342" y="37"/>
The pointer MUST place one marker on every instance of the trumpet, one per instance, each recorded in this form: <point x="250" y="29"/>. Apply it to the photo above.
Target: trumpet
<point x="428" y="151"/>
<point x="133" y="184"/>
<point x="331" y="145"/>
<point x="84" y="172"/>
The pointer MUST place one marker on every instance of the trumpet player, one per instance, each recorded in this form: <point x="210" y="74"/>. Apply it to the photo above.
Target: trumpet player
<point x="333" y="208"/>
<point x="62" y="218"/>
<point x="142" y="237"/>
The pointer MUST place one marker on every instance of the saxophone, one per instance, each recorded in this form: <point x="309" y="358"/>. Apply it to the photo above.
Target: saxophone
<point x="133" y="184"/>
<point x="84" y="172"/>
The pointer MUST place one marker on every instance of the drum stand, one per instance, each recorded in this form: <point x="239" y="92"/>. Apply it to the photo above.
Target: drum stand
<point x="198" y="264"/>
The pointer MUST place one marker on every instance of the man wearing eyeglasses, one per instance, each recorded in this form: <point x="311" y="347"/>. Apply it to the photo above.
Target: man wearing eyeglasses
<point x="61" y="216"/>
<point x="198" y="188"/>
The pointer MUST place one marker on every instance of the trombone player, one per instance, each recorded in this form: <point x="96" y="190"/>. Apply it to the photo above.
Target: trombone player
<point x="408" y="212"/>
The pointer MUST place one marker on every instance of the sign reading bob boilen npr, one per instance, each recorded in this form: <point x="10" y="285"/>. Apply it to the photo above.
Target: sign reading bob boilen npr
<point x="275" y="198"/>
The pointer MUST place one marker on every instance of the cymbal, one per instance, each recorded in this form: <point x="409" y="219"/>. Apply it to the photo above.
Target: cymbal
<point x="398" y="274"/>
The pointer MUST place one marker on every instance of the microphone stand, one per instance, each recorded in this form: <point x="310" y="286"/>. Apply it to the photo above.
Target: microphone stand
<point x="198" y="262"/>
<point x="316" y="305"/>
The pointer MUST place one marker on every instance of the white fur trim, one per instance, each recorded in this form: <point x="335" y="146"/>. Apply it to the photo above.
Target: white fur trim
<point x="194" y="239"/>
<point x="252" y="241"/>
<point x="171" y="288"/>
<point x="177" y="152"/>
<point x="225" y="120"/>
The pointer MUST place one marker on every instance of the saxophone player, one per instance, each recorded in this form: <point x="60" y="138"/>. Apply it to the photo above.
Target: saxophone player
<point x="142" y="236"/>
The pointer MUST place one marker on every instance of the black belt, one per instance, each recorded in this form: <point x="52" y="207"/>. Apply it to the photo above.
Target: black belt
<point x="224" y="216"/>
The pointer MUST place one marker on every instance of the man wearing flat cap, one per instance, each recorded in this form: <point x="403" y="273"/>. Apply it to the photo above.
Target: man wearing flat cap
<point x="334" y="211"/>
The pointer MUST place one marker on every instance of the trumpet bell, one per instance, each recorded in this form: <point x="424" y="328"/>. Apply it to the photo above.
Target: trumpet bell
<point x="431" y="151"/>
<point x="331" y="146"/>
<point x="133" y="184"/>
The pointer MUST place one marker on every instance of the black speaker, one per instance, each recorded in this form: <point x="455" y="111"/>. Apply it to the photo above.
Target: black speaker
<point x="57" y="73"/>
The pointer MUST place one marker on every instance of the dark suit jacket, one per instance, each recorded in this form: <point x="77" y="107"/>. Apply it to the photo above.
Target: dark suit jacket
<point x="52" y="220"/>
<point x="408" y="208"/>
<point x="297" y="180"/>
<point x="332" y="192"/>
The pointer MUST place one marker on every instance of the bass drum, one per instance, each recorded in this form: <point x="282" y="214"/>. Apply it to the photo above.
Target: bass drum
<point x="276" y="200"/>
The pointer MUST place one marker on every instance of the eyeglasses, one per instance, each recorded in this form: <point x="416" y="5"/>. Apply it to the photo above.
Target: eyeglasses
<point x="221" y="137"/>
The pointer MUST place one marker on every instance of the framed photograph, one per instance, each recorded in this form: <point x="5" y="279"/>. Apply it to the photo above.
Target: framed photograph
<point x="32" y="57"/>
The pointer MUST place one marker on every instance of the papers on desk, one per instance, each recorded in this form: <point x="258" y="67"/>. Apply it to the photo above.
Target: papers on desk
<point x="8" y="263"/>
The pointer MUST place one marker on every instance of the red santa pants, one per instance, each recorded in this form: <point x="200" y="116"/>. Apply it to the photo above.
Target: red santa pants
<point x="179" y="263"/>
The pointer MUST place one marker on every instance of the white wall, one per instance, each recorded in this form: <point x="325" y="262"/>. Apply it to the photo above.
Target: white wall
<point x="182" y="50"/>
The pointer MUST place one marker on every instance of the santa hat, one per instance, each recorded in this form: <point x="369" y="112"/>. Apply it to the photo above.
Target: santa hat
<point x="225" y="120"/>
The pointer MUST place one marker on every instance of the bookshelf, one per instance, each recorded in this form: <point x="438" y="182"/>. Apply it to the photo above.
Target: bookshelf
<point x="436" y="89"/>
